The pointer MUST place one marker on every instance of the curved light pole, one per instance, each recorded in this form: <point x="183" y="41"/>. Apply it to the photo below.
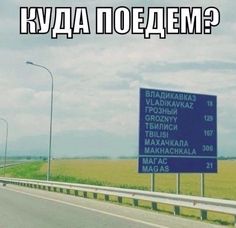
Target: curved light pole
<point x="50" y="134"/>
<point x="5" y="155"/>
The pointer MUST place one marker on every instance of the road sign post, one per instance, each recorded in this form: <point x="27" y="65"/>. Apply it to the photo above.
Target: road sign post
<point x="153" y="182"/>
<point x="203" y="212"/>
<point x="178" y="183"/>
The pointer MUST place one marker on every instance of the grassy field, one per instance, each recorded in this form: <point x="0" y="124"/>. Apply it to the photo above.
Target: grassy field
<point x="123" y="173"/>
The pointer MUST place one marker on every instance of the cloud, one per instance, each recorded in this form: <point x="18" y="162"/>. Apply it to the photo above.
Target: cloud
<point x="97" y="78"/>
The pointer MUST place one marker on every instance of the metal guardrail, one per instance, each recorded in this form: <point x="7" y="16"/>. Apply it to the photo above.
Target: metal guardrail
<point x="203" y="204"/>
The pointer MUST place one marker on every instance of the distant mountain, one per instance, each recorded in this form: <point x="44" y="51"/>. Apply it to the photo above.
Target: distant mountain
<point x="76" y="143"/>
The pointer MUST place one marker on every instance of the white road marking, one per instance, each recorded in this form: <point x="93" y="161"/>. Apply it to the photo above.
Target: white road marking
<point x="89" y="209"/>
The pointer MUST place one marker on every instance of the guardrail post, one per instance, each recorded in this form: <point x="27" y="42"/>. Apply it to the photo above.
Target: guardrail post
<point x="76" y="192"/>
<point x="135" y="202"/>
<point x="49" y="188"/>
<point x="106" y="197"/>
<point x="68" y="191"/>
<point x="95" y="195"/>
<point x="54" y="189"/>
<point x="176" y="210"/>
<point x="85" y="194"/>
<point x="119" y="199"/>
<point x="154" y="206"/>
<point x="61" y="190"/>
<point x="203" y="215"/>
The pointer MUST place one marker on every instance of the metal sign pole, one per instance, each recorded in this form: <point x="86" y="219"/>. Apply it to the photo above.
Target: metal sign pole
<point x="154" y="204"/>
<point x="176" y="208"/>
<point x="202" y="185"/>
<point x="153" y="182"/>
<point x="178" y="183"/>
<point x="203" y="212"/>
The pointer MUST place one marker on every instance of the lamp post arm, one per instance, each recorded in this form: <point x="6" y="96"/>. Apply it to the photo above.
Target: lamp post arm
<point x="45" y="69"/>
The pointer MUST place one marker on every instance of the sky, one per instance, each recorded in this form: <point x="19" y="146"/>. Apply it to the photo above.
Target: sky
<point x="97" y="80"/>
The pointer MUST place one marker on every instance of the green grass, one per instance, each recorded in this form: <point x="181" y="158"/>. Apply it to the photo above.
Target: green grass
<point x="27" y="170"/>
<point x="123" y="173"/>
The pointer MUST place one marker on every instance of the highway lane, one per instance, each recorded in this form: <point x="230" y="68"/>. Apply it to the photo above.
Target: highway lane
<point x="25" y="207"/>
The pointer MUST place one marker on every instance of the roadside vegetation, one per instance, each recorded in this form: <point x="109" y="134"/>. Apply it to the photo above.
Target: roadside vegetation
<point x="123" y="173"/>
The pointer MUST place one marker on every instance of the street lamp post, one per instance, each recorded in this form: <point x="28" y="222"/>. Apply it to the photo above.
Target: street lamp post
<point x="5" y="154"/>
<point x="50" y="134"/>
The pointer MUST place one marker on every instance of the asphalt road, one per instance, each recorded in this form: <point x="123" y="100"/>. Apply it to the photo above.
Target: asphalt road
<point x="25" y="208"/>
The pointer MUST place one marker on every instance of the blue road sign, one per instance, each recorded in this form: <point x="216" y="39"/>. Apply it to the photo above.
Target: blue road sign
<point x="177" y="132"/>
